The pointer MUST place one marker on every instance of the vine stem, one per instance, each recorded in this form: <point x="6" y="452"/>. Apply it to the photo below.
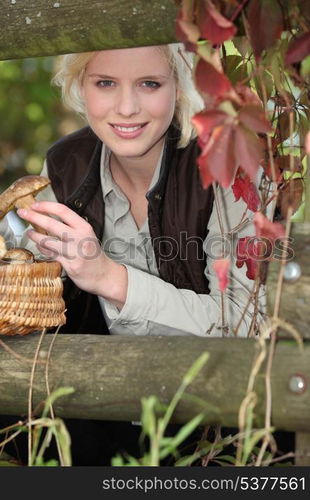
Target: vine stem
<point x="18" y="356"/>
<point x="8" y="439"/>
<point x="276" y="310"/>
<point x="49" y="393"/>
<point x="269" y="143"/>
<point x="221" y="225"/>
<point x="31" y="393"/>
<point x="238" y="9"/>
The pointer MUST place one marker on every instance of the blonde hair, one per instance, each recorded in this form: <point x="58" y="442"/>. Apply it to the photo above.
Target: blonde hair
<point x="70" y="73"/>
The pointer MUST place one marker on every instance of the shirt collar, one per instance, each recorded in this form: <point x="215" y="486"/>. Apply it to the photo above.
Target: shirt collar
<point x="107" y="182"/>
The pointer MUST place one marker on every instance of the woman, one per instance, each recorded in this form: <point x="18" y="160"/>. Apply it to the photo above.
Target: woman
<point x="131" y="224"/>
<point x="136" y="163"/>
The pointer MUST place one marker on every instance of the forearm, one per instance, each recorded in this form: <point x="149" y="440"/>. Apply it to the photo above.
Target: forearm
<point x="155" y="307"/>
<point x="112" y="284"/>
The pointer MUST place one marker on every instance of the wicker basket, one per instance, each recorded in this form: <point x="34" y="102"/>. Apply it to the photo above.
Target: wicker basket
<point x="30" y="297"/>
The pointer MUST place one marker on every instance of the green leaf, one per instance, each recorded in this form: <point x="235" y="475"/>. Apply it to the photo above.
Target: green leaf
<point x="242" y="45"/>
<point x="305" y="67"/>
<point x="227" y="458"/>
<point x="5" y="463"/>
<point x="195" y="368"/>
<point x="268" y="83"/>
<point x="49" y="463"/>
<point x="148" y="418"/>
<point x="182" y="434"/>
<point x="58" y="393"/>
<point x="235" y="68"/>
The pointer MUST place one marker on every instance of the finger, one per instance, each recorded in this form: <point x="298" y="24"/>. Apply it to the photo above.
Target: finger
<point x="51" y="226"/>
<point x="51" y="244"/>
<point x="65" y="213"/>
<point x="47" y="253"/>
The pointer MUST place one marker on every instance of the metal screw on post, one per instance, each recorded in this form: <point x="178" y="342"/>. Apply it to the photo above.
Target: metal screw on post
<point x="292" y="272"/>
<point x="297" y="384"/>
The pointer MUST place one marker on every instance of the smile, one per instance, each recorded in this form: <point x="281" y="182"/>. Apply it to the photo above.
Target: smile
<point x="127" y="129"/>
<point x="130" y="131"/>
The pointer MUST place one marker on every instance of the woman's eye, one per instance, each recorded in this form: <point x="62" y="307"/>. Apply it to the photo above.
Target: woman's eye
<point x="104" y="83"/>
<point x="151" y="84"/>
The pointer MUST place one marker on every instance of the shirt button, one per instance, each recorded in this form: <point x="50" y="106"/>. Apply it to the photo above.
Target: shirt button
<point x="85" y="218"/>
<point x="157" y="196"/>
<point x="78" y="203"/>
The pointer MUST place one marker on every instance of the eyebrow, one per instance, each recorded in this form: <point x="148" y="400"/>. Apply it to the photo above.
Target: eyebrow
<point x="144" y="77"/>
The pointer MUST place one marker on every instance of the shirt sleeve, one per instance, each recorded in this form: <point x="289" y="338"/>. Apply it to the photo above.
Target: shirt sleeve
<point x="155" y="307"/>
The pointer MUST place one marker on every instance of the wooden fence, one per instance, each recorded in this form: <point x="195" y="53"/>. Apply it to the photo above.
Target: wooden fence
<point x="110" y="375"/>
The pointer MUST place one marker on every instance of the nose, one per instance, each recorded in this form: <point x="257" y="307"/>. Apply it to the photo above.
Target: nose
<point x="128" y="102"/>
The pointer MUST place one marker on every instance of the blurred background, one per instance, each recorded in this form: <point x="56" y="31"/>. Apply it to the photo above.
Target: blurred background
<point x="32" y="117"/>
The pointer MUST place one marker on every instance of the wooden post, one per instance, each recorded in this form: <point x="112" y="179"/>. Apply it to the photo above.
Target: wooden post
<point x="302" y="448"/>
<point x="295" y="298"/>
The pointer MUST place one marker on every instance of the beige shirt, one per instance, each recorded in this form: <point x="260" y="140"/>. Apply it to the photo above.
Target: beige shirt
<point x="153" y="306"/>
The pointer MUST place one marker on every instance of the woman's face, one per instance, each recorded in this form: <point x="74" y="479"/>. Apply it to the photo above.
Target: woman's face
<point x="130" y="99"/>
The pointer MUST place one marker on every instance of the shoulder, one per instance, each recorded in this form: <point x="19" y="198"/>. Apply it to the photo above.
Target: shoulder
<point x="81" y="142"/>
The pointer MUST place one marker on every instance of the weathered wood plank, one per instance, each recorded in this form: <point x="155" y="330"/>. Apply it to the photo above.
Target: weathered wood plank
<point x="111" y="374"/>
<point x="295" y="298"/>
<point x="46" y="27"/>
<point x="302" y="448"/>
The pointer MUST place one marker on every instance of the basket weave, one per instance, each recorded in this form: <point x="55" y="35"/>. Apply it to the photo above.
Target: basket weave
<point x="30" y="297"/>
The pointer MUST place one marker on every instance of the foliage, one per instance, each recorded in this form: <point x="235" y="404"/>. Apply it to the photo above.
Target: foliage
<point x="154" y="427"/>
<point x="253" y="72"/>
<point x="54" y="427"/>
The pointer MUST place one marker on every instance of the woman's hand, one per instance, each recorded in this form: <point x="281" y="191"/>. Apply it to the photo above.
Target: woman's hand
<point x="72" y="242"/>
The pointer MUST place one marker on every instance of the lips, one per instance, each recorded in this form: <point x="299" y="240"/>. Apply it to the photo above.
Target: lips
<point x="128" y="130"/>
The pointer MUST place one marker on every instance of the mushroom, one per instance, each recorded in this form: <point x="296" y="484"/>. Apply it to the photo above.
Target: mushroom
<point x="18" y="256"/>
<point x="3" y="248"/>
<point x="21" y="194"/>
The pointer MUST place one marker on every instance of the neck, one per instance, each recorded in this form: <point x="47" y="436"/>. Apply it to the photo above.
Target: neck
<point x="135" y="172"/>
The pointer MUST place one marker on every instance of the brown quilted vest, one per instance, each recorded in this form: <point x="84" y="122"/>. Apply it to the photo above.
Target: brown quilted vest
<point x="179" y="210"/>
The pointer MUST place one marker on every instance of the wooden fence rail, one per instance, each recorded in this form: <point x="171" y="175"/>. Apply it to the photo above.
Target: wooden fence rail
<point x="110" y="375"/>
<point x="46" y="27"/>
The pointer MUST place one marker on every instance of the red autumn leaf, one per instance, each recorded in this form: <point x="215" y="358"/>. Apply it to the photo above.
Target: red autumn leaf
<point x="247" y="95"/>
<point x="277" y="171"/>
<point x="290" y="196"/>
<point x="249" y="252"/>
<point x="265" y="20"/>
<point x="211" y="81"/>
<point x="245" y="189"/>
<point x="206" y="121"/>
<point x="221" y="268"/>
<point x="212" y="25"/>
<point x="283" y="129"/>
<point x="186" y="31"/>
<point x="298" y="49"/>
<point x="248" y="151"/>
<point x="307" y="143"/>
<point x="254" y="118"/>
<point x="267" y="229"/>
<point x="217" y="160"/>
<point x="290" y="164"/>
